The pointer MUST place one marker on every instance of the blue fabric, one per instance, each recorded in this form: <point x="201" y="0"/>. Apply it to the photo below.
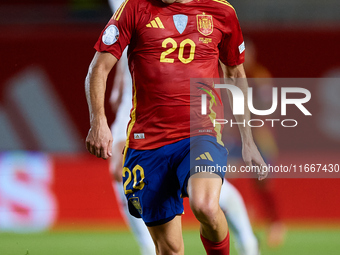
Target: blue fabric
<point x="166" y="170"/>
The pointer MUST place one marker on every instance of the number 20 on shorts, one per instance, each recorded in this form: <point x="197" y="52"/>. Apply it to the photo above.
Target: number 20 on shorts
<point x="138" y="180"/>
<point x="173" y="47"/>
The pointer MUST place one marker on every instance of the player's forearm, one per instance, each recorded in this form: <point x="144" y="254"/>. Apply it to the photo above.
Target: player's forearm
<point x="236" y="75"/>
<point x="95" y="86"/>
<point x="245" y="130"/>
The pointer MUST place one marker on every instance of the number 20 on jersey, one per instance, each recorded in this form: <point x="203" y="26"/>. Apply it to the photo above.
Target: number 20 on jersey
<point x="173" y="47"/>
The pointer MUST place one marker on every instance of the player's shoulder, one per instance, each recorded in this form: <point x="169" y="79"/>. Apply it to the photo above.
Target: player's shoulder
<point x="223" y="7"/>
<point x="133" y="7"/>
<point x="142" y="3"/>
<point x="135" y="3"/>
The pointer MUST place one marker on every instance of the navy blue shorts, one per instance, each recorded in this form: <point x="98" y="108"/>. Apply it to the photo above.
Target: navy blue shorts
<point x="156" y="180"/>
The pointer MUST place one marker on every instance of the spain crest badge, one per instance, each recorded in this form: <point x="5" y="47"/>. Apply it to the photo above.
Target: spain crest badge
<point x="204" y="24"/>
<point x="135" y="202"/>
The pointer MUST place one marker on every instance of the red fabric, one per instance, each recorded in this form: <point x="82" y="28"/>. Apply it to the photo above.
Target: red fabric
<point x="216" y="248"/>
<point x="162" y="59"/>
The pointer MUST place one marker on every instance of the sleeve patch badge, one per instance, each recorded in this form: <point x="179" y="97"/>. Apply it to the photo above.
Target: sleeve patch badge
<point x="110" y="35"/>
<point x="241" y="48"/>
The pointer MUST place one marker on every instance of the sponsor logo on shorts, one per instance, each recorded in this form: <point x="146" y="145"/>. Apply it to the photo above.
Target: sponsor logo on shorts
<point x="205" y="156"/>
<point x="135" y="202"/>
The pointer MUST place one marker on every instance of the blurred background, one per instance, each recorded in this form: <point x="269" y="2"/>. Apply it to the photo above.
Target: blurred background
<point x="56" y="197"/>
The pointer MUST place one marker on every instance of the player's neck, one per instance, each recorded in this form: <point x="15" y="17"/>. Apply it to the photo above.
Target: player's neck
<point x="176" y="1"/>
<point x="183" y="1"/>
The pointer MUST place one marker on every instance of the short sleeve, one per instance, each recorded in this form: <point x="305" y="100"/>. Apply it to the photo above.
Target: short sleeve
<point x="118" y="31"/>
<point x="232" y="47"/>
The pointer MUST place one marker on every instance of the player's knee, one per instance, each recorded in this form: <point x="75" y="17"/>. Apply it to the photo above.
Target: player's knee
<point x="168" y="251"/>
<point x="205" y="210"/>
<point x="173" y="248"/>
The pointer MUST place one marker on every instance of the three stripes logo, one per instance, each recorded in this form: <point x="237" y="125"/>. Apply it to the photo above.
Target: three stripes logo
<point x="205" y="156"/>
<point x="155" y="23"/>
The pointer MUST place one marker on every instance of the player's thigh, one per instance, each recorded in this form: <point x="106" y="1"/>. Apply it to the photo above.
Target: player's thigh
<point x="207" y="163"/>
<point x="205" y="155"/>
<point x="168" y="237"/>
<point x="204" y="192"/>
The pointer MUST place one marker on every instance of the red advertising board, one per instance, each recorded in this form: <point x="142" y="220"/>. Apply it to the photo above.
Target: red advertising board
<point x="40" y="191"/>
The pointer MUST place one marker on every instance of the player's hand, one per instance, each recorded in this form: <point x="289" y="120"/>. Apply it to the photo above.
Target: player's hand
<point x="252" y="157"/>
<point x="99" y="140"/>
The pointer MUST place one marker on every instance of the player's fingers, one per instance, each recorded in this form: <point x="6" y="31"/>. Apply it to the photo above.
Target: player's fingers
<point x="103" y="152"/>
<point x="97" y="151"/>
<point x="88" y="147"/>
<point x="262" y="176"/>
<point x="262" y="170"/>
<point x="109" y="148"/>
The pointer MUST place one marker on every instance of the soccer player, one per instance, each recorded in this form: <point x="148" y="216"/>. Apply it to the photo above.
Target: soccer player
<point x="168" y="44"/>
<point x="231" y="201"/>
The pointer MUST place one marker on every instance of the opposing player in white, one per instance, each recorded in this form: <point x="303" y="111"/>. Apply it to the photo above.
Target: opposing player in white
<point x="231" y="201"/>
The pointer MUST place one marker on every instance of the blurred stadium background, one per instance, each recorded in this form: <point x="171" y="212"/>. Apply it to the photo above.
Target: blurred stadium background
<point x="57" y="199"/>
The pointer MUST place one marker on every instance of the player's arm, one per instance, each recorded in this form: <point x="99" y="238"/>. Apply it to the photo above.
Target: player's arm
<point x="99" y="138"/>
<point x="251" y="155"/>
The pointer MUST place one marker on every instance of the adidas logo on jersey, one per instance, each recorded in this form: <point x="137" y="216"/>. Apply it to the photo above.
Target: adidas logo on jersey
<point x="156" y="23"/>
<point x="139" y="136"/>
<point x="205" y="155"/>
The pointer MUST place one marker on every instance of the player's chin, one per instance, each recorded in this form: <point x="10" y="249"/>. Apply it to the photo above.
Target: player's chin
<point x="168" y="1"/>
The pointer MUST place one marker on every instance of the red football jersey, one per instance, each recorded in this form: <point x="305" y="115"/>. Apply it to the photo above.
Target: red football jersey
<point x="169" y="45"/>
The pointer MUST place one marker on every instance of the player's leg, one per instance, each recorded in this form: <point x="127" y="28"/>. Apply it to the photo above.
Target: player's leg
<point x="204" y="193"/>
<point x="137" y="226"/>
<point x="266" y="141"/>
<point x="168" y="237"/>
<point x="277" y="229"/>
<point x="153" y="193"/>
<point x="232" y="205"/>
<point x="203" y="187"/>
